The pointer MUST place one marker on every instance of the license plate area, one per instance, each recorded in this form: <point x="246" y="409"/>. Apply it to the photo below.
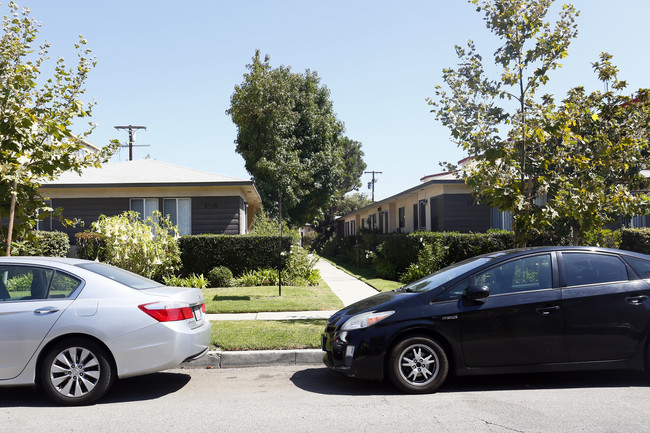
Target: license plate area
<point x="198" y="313"/>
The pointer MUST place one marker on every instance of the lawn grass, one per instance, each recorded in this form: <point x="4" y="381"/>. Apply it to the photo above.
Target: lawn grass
<point x="265" y="298"/>
<point x="366" y="275"/>
<point x="267" y="334"/>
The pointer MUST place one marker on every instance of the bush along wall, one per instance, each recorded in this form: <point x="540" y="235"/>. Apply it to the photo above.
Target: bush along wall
<point x="41" y="243"/>
<point x="201" y="253"/>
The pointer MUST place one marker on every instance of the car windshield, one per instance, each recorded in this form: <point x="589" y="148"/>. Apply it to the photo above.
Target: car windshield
<point x="127" y="278"/>
<point x="444" y="275"/>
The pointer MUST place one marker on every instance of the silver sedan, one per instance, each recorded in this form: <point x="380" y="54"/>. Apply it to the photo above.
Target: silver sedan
<point x="74" y="326"/>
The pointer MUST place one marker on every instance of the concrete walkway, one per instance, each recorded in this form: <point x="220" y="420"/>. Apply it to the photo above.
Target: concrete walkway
<point x="348" y="288"/>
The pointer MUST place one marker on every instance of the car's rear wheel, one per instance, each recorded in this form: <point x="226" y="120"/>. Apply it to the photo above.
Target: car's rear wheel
<point x="418" y="365"/>
<point x="76" y="371"/>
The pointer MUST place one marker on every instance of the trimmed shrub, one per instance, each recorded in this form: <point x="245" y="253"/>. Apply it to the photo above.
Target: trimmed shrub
<point x="201" y="253"/>
<point x="637" y="240"/>
<point x="90" y="246"/>
<point x="42" y="243"/>
<point x="220" y="276"/>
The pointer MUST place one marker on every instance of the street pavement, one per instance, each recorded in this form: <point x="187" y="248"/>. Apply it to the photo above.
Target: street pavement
<point x="348" y="288"/>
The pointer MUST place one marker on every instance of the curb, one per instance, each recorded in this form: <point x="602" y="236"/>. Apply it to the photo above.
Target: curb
<point x="256" y="358"/>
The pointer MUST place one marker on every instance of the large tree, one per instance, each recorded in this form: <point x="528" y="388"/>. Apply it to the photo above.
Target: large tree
<point x="292" y="142"/>
<point x="36" y="119"/>
<point x="480" y="112"/>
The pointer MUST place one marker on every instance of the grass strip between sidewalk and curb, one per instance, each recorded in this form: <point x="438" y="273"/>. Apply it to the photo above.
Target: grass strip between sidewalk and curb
<point x="265" y="298"/>
<point x="267" y="334"/>
<point x="366" y="275"/>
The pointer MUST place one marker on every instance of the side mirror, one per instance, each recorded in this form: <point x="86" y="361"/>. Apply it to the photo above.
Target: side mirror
<point x="475" y="292"/>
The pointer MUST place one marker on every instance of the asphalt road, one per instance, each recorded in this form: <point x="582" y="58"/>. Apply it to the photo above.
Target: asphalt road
<point x="314" y="399"/>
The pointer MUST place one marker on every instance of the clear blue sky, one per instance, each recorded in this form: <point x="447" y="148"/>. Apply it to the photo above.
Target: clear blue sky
<point x="172" y="66"/>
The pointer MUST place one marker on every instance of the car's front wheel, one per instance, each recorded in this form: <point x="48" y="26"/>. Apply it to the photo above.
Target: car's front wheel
<point x="76" y="371"/>
<point x="418" y="365"/>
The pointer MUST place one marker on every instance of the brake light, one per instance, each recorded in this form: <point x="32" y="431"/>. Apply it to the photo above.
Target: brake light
<point x="164" y="312"/>
<point x="203" y="307"/>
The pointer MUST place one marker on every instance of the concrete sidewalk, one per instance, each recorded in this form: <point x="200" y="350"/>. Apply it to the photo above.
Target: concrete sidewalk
<point x="348" y="288"/>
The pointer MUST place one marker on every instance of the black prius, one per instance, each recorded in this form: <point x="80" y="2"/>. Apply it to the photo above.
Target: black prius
<point x="527" y="310"/>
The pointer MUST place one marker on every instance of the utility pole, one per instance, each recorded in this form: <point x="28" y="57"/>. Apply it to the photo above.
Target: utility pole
<point x="371" y="184"/>
<point x="132" y="130"/>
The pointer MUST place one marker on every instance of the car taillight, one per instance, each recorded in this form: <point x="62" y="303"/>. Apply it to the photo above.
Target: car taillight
<point x="166" y="312"/>
<point x="203" y="307"/>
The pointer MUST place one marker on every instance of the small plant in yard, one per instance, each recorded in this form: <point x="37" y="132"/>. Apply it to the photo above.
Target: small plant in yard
<point x="192" y="281"/>
<point x="220" y="276"/>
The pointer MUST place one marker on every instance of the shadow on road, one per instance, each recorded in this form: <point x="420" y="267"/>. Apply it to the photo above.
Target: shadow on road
<point x="324" y="381"/>
<point x="149" y="387"/>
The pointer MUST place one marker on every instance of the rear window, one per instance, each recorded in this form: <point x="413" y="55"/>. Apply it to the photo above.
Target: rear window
<point x="127" y="278"/>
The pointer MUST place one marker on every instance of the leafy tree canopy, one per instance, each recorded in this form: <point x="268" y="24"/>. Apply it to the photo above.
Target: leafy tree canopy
<point x="292" y="142"/>
<point x="36" y="140"/>
<point x="560" y="169"/>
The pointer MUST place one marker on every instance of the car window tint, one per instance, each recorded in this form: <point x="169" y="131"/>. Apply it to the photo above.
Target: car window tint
<point x="589" y="268"/>
<point x="640" y="266"/>
<point x="63" y="285"/>
<point x="524" y="274"/>
<point x="24" y="283"/>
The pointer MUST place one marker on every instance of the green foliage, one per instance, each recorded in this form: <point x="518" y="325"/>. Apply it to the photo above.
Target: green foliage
<point x="393" y="254"/>
<point x="309" y="240"/>
<point x="90" y="246"/>
<point x="36" y="140"/>
<point x="20" y="283"/>
<point x="408" y="257"/>
<point x="192" y="281"/>
<point x="220" y="276"/>
<point x="637" y="240"/>
<point x="291" y="140"/>
<point x="258" y="277"/>
<point x="147" y="248"/>
<point x="504" y="143"/>
<point x="430" y="257"/>
<point x="298" y="271"/>
<point x="201" y="253"/>
<point x="41" y="243"/>
<point x="265" y="226"/>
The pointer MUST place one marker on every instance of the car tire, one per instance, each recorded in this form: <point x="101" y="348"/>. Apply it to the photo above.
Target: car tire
<point x="418" y="365"/>
<point x="76" y="371"/>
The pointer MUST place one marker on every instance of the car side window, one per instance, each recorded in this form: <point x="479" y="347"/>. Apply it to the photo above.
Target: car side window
<point x="24" y="283"/>
<point x="63" y="285"/>
<point x="520" y="275"/>
<point x="589" y="268"/>
<point x="640" y="266"/>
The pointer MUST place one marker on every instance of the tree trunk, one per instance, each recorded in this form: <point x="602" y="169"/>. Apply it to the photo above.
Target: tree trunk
<point x="12" y="213"/>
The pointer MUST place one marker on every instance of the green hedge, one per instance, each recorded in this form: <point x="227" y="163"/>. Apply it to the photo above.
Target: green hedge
<point x="201" y="253"/>
<point x="41" y="243"/>
<point x="637" y="240"/>
<point x="90" y="246"/>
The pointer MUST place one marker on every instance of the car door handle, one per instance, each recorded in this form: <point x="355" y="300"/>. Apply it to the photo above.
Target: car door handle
<point x="46" y="310"/>
<point x="636" y="300"/>
<point x="546" y="311"/>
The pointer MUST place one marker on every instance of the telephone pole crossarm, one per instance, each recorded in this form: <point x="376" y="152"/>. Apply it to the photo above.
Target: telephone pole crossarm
<point x="131" y="130"/>
<point x="371" y="184"/>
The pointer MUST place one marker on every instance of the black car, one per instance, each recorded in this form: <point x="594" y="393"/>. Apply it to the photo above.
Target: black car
<point x="525" y="310"/>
